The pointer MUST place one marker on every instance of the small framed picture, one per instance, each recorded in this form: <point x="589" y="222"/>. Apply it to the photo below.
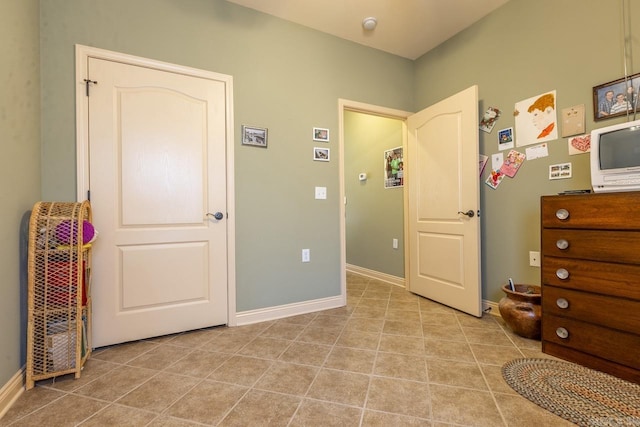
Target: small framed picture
<point x="255" y="136"/>
<point x="321" y="154"/>
<point x="321" y="134"/>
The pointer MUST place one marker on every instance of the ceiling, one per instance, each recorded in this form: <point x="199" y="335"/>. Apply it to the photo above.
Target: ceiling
<point x="407" y="28"/>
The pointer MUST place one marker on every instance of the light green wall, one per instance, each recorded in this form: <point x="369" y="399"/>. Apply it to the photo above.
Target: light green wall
<point x="521" y="50"/>
<point x="374" y="214"/>
<point x="19" y="169"/>
<point x="287" y="78"/>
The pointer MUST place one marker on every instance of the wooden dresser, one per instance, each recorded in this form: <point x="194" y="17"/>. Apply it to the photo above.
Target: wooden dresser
<point x="591" y="281"/>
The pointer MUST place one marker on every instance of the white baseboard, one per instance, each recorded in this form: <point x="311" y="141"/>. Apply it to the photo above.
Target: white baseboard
<point x="279" y="312"/>
<point x="10" y="392"/>
<point x="288" y="310"/>
<point x="491" y="306"/>
<point x="394" y="280"/>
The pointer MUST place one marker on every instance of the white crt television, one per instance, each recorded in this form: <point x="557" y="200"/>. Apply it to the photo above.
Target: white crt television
<point x="615" y="157"/>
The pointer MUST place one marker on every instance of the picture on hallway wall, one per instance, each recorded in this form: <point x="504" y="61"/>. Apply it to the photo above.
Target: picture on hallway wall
<point x="393" y="168"/>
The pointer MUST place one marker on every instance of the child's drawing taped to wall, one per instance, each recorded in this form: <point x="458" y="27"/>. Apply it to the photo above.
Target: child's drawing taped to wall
<point x="536" y="119"/>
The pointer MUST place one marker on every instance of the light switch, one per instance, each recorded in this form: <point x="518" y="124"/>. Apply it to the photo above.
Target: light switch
<point x="321" y="193"/>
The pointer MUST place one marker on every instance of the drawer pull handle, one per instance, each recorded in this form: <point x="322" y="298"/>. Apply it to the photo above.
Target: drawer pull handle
<point x="562" y="273"/>
<point x="562" y="303"/>
<point x="562" y="244"/>
<point x="562" y="333"/>
<point x="562" y="214"/>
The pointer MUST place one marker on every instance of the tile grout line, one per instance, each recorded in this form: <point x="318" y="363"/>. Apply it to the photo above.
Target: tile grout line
<point x="157" y="374"/>
<point x="484" y="377"/>
<point x="375" y="360"/>
<point x="73" y="392"/>
<point x="163" y="412"/>
<point x="426" y="365"/>
<point x="252" y="386"/>
<point x="303" y="397"/>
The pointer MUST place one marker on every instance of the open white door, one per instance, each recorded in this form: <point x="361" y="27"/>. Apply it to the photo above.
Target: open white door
<point x="158" y="181"/>
<point x="443" y="190"/>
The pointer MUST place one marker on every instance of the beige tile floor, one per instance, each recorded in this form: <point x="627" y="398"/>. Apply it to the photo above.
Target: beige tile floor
<point x="389" y="358"/>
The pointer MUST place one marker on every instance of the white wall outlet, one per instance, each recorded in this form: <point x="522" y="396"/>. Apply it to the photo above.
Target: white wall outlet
<point x="395" y="244"/>
<point x="534" y="259"/>
<point x="321" y="192"/>
<point x="306" y="255"/>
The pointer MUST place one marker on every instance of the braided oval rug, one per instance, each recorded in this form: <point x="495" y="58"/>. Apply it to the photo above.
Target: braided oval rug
<point x="578" y="394"/>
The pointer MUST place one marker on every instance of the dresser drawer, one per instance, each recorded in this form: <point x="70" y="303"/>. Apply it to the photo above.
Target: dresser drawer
<point x="620" y="280"/>
<point x="602" y="310"/>
<point x="592" y="361"/>
<point x="613" y="246"/>
<point x="613" y="345"/>
<point x="612" y="211"/>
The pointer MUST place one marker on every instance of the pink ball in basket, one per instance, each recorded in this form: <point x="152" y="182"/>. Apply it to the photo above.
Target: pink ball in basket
<point x="66" y="232"/>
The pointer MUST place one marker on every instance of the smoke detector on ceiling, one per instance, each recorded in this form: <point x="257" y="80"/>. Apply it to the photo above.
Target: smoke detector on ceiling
<point x="369" y="23"/>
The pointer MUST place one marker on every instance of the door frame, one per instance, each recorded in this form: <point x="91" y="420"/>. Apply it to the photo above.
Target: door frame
<point x="83" y="53"/>
<point x="374" y="110"/>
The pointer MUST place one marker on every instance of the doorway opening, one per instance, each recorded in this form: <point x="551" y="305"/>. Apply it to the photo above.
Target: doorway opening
<point x="372" y="217"/>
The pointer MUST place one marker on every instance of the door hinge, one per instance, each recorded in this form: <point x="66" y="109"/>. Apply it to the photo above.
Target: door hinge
<point x="89" y="195"/>
<point x="88" y="82"/>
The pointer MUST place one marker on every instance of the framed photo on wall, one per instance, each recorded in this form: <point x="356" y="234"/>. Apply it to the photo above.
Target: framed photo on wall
<point x="321" y="134"/>
<point x="321" y="154"/>
<point x="255" y="136"/>
<point x="616" y="98"/>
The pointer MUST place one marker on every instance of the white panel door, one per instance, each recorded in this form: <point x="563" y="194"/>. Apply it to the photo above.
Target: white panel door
<point x="157" y="176"/>
<point x="442" y="180"/>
